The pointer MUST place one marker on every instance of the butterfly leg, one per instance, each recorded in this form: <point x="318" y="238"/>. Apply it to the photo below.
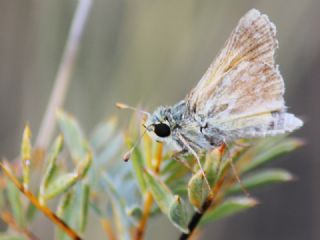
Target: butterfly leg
<point x="190" y="149"/>
<point x="176" y="156"/>
<point x="224" y="148"/>
<point x="221" y="150"/>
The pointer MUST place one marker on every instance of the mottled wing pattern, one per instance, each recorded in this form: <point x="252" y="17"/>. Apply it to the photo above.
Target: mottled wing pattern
<point x="248" y="89"/>
<point x="249" y="102"/>
<point x="241" y="93"/>
<point x="254" y="39"/>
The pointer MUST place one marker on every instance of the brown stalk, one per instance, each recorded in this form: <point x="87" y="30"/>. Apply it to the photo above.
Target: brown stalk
<point x="106" y="225"/>
<point x="64" y="73"/>
<point x="10" y="221"/>
<point x="148" y="200"/>
<point x="45" y="210"/>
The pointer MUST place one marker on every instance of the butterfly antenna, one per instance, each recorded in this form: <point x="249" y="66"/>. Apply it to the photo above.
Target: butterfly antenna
<point x="125" y="106"/>
<point x="128" y="154"/>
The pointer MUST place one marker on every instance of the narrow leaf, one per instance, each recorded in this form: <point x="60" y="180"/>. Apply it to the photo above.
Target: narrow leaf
<point x="65" y="211"/>
<point x="84" y="166"/>
<point x="26" y="150"/>
<point x="211" y="165"/>
<point x="137" y="163"/>
<point x="31" y="212"/>
<point x="228" y="207"/>
<point x="179" y="214"/>
<point x="45" y="210"/>
<point x="160" y="192"/>
<point x="51" y="164"/>
<point x="16" y="204"/>
<point x="119" y="206"/>
<point x="84" y="206"/>
<point x="262" y="178"/>
<point x="197" y="190"/>
<point x="60" y="185"/>
<point x="73" y="135"/>
<point x="268" y="154"/>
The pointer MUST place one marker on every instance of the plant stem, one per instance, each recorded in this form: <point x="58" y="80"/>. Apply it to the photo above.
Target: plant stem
<point x="45" y="210"/>
<point x="64" y="73"/>
<point x="8" y="219"/>
<point x="148" y="201"/>
<point x="106" y="225"/>
<point x="209" y="203"/>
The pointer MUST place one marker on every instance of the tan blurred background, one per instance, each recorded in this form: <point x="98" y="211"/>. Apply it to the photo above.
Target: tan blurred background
<point x="154" y="52"/>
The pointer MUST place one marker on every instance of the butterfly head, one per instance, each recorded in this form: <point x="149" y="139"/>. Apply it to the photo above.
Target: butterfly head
<point x="159" y="124"/>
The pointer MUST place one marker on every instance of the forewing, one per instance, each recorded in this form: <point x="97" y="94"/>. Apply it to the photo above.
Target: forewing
<point x="250" y="88"/>
<point x="253" y="40"/>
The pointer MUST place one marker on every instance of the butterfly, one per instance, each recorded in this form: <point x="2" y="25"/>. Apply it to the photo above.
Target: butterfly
<point x="239" y="96"/>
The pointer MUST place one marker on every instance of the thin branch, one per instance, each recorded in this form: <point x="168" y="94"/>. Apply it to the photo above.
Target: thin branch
<point x="45" y="210"/>
<point x="10" y="221"/>
<point x="106" y="225"/>
<point x="210" y="202"/>
<point x="148" y="201"/>
<point x="64" y="73"/>
<point x="147" y="205"/>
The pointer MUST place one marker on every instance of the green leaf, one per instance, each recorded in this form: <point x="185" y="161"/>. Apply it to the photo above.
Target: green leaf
<point x="211" y="166"/>
<point x="16" y="204"/>
<point x="119" y="214"/>
<point x="26" y="150"/>
<point x="102" y="133"/>
<point x="262" y="178"/>
<point x="51" y="164"/>
<point x="197" y="190"/>
<point x="84" y="206"/>
<point x="138" y="165"/>
<point x="179" y="214"/>
<point x="31" y="212"/>
<point x="174" y="170"/>
<point x="268" y="154"/>
<point x="160" y="192"/>
<point x="73" y="135"/>
<point x="228" y="207"/>
<point x="84" y="165"/>
<point x="60" y="185"/>
<point x="65" y="211"/>
<point x="69" y="209"/>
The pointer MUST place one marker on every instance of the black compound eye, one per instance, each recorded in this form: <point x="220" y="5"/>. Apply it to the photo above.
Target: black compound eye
<point x="162" y="130"/>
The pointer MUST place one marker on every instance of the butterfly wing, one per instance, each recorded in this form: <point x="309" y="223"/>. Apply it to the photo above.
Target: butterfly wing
<point x="252" y="40"/>
<point x="242" y="91"/>
<point x="248" y="102"/>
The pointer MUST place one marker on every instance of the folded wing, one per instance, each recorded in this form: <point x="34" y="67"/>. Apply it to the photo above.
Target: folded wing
<point x="253" y="40"/>
<point x="242" y="91"/>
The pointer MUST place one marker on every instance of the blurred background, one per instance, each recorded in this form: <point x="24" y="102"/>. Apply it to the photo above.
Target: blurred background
<point x="152" y="53"/>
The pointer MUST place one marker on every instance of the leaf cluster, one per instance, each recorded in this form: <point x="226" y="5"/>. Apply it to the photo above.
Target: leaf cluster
<point x="82" y="177"/>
